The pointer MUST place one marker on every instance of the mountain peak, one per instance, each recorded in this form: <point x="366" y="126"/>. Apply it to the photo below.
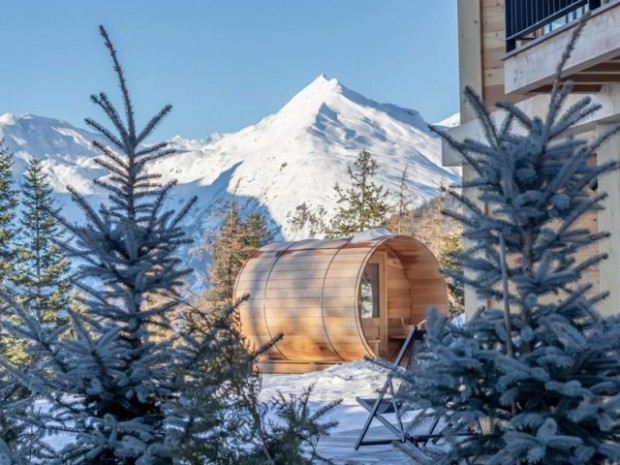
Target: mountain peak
<point x="326" y="98"/>
<point x="323" y="82"/>
<point x="7" y="118"/>
<point x="311" y="97"/>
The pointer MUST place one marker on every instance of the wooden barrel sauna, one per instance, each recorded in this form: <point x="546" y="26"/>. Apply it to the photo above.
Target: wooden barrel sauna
<point x="336" y="300"/>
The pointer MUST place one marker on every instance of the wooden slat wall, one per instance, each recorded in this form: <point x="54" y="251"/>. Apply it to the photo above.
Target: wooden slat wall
<point x="493" y="44"/>
<point x="350" y="261"/>
<point x="311" y="295"/>
<point x="252" y="316"/>
<point x="398" y="288"/>
<point x="590" y="221"/>
<point x="427" y="286"/>
<point x="414" y="281"/>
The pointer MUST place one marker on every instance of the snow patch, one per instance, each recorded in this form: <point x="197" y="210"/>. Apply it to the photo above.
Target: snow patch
<point x="449" y="122"/>
<point x="371" y="235"/>
<point x="7" y="119"/>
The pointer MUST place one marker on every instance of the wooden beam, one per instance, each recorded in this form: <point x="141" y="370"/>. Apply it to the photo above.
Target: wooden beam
<point x="609" y="220"/>
<point x="293" y="367"/>
<point x="609" y="67"/>
<point x="470" y="53"/>
<point x="577" y="89"/>
<point x="591" y="78"/>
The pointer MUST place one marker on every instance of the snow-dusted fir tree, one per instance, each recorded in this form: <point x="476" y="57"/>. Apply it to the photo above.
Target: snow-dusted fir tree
<point x="10" y="428"/>
<point x="230" y="246"/>
<point x="120" y="375"/>
<point x="122" y="393"/>
<point x="363" y="205"/>
<point x="8" y="209"/>
<point x="109" y="383"/>
<point x="41" y="271"/>
<point x="308" y="218"/>
<point x="536" y="376"/>
<point x="8" y="204"/>
<point x="9" y="390"/>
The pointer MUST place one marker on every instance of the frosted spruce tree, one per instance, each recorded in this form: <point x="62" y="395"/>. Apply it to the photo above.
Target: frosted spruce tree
<point x="363" y="205"/>
<point x="11" y="431"/>
<point x="535" y="377"/>
<point x="120" y="392"/>
<point x="8" y="229"/>
<point x="9" y="390"/>
<point x="230" y="246"/>
<point x="109" y="384"/>
<point x="41" y="271"/>
<point x="8" y="205"/>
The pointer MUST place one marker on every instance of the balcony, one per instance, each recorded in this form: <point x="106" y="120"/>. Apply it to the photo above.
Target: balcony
<point x="537" y="32"/>
<point x="528" y="19"/>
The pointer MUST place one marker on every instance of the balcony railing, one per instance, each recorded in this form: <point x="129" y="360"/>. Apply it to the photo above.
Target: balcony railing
<point x="528" y="19"/>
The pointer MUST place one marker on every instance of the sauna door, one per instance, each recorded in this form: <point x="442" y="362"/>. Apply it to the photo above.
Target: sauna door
<point x="373" y="301"/>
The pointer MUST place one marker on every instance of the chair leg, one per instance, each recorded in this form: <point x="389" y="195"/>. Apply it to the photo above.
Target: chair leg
<point x="388" y="385"/>
<point x="425" y="437"/>
<point x="372" y="415"/>
<point x="403" y="434"/>
<point x="432" y="429"/>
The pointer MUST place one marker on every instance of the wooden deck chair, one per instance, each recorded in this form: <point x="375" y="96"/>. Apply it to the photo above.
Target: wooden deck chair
<point x="387" y="401"/>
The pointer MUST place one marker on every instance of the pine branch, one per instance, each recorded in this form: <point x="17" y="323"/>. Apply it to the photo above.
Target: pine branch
<point x="488" y="126"/>
<point x="108" y="153"/>
<point x="90" y="213"/>
<point x="568" y="50"/>
<point x="151" y="125"/>
<point x="183" y="212"/>
<point x="108" y="166"/>
<point x="129" y="113"/>
<point x="110" y="111"/>
<point x="580" y="111"/>
<point x="149" y="158"/>
<point x="119" y="192"/>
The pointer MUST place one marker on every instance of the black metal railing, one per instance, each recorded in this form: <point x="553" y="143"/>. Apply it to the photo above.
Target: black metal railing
<point x="527" y="19"/>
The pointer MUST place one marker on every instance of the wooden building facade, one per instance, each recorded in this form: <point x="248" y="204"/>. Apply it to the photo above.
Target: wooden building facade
<point x="509" y="50"/>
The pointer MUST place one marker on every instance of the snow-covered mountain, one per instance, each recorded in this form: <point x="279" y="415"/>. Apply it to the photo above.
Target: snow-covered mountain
<point x="293" y="156"/>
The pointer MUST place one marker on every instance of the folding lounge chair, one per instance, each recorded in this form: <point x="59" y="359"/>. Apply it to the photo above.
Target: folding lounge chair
<point x="387" y="401"/>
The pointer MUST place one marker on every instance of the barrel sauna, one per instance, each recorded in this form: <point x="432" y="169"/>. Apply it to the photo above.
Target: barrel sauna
<point x="336" y="300"/>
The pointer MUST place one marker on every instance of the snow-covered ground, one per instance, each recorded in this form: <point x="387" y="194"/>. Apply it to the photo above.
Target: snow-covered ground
<point x="346" y="382"/>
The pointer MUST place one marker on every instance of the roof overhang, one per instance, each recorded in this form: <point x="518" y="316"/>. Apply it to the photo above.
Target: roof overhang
<point x="593" y="63"/>
<point x="608" y="99"/>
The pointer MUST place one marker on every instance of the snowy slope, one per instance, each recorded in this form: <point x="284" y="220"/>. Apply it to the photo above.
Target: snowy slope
<point x="299" y="153"/>
<point x="293" y="156"/>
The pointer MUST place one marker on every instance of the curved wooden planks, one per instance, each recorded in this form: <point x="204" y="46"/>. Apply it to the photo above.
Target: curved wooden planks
<point x="308" y="291"/>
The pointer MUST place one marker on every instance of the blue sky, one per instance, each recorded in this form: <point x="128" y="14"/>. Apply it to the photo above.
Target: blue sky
<point x="225" y="64"/>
